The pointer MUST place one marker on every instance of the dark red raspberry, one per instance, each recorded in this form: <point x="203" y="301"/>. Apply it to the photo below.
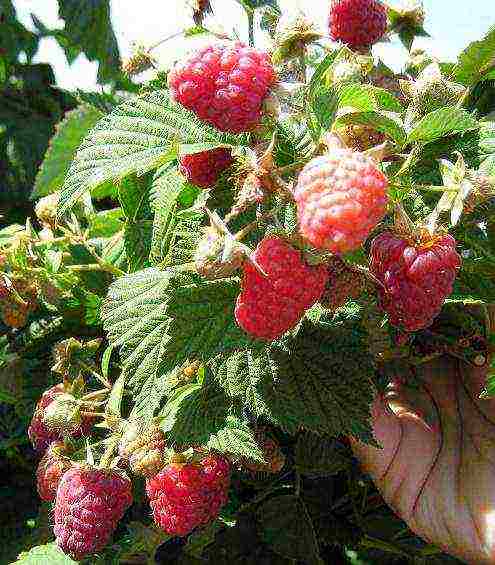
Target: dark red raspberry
<point x="52" y="466"/>
<point x="40" y="434"/>
<point x="270" y="305"/>
<point x="89" y="504"/>
<point x="225" y="85"/>
<point x="186" y="495"/>
<point x="357" y="23"/>
<point x="203" y="169"/>
<point x="341" y="197"/>
<point x="417" y="277"/>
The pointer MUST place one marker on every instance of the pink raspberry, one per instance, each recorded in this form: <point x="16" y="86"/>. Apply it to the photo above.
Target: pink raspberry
<point x="270" y="305"/>
<point x="50" y="470"/>
<point x="89" y="504"/>
<point x="357" y="23"/>
<point x="341" y="197"/>
<point x="417" y="277"/>
<point x="186" y="495"/>
<point x="224" y="85"/>
<point x="203" y="169"/>
<point x="40" y="434"/>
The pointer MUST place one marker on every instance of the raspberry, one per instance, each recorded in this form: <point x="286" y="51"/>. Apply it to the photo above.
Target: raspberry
<point x="203" y="169"/>
<point x="343" y="284"/>
<point x="145" y="452"/>
<point x="357" y="23"/>
<point x="417" y="277"/>
<point x="185" y="495"/>
<point x="52" y="466"/>
<point x="88" y="506"/>
<point x="270" y="305"/>
<point x="224" y="85"/>
<point x="40" y="434"/>
<point x="341" y="197"/>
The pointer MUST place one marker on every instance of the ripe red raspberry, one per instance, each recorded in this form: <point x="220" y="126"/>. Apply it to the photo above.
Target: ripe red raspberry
<point x="52" y="466"/>
<point x="185" y="495"/>
<point x="268" y="306"/>
<point x="40" y="434"/>
<point x="88" y="506"/>
<point x="341" y="197"/>
<point x="417" y="277"/>
<point x="203" y="169"/>
<point x="357" y="23"/>
<point x="224" y="85"/>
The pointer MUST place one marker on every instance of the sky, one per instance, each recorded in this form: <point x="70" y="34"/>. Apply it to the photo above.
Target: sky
<point x="452" y="24"/>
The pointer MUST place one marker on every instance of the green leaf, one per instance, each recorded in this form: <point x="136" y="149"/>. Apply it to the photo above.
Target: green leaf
<point x="115" y="398"/>
<point x="285" y="525"/>
<point x="317" y="456"/>
<point x="165" y="189"/>
<point x="84" y="22"/>
<point x="320" y="380"/>
<point x="356" y="96"/>
<point x="236" y="438"/>
<point x="385" y="99"/>
<point x="105" y="223"/>
<point x="442" y="122"/>
<point x="476" y="60"/>
<point x="48" y="554"/>
<point x="137" y="240"/>
<point x="138" y="136"/>
<point x="63" y="145"/>
<point x="161" y="318"/>
<point x="195" y="413"/>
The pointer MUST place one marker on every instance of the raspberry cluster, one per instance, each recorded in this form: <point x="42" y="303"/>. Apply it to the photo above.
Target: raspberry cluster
<point x="416" y="277"/>
<point x="186" y="495"/>
<point x="357" y="23"/>
<point x="341" y="197"/>
<point x="224" y="85"/>
<point x="89" y="504"/>
<point x="278" y="286"/>
<point x="204" y="169"/>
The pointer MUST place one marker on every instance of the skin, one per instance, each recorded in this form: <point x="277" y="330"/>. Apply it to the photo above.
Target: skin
<point x="437" y="465"/>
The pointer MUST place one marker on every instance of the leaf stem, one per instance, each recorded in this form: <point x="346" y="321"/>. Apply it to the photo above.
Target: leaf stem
<point x="105" y="382"/>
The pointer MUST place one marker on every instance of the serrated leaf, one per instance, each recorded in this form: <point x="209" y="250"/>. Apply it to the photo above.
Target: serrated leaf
<point x="442" y="122"/>
<point x="63" y="145"/>
<point x="317" y="456"/>
<point x="137" y="240"/>
<point x="385" y="99"/>
<point x="476" y="60"/>
<point x="105" y="223"/>
<point x="358" y="97"/>
<point x="236" y="438"/>
<point x="138" y="136"/>
<point x="161" y="318"/>
<point x="48" y="554"/>
<point x="285" y="525"/>
<point x="194" y="414"/>
<point x="165" y="189"/>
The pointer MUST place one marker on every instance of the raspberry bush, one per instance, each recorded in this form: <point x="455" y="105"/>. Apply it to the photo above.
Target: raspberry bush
<point x="237" y="257"/>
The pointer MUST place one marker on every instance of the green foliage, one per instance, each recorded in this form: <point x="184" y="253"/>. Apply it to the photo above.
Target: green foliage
<point x="49" y="554"/>
<point x="442" y="122"/>
<point x="476" y="61"/>
<point x="63" y="145"/>
<point x="286" y="527"/>
<point x="138" y="136"/>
